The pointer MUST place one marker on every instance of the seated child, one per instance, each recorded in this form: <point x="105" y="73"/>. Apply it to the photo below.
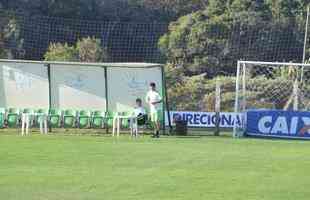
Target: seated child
<point x="140" y="112"/>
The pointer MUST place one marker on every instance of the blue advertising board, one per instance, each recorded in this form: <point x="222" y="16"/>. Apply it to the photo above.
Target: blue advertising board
<point x="274" y="123"/>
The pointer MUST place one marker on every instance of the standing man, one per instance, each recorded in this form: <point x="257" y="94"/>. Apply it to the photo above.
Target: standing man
<point x="154" y="100"/>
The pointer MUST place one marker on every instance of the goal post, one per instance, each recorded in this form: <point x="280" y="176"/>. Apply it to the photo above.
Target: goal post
<point x="270" y="86"/>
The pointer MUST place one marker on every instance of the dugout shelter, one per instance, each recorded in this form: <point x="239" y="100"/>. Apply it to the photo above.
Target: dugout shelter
<point x="108" y="87"/>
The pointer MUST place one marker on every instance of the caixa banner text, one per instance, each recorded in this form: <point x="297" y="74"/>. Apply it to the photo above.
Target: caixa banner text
<point x="273" y="123"/>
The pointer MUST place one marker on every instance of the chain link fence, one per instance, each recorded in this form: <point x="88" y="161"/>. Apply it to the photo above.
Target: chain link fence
<point x="28" y="37"/>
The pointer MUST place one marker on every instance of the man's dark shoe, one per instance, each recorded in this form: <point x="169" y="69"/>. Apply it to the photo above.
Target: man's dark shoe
<point x="157" y="134"/>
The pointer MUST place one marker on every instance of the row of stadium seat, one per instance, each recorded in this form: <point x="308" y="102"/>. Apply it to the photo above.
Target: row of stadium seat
<point x="57" y="118"/>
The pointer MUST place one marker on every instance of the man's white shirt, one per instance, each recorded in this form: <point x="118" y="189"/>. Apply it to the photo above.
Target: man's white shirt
<point x="151" y="97"/>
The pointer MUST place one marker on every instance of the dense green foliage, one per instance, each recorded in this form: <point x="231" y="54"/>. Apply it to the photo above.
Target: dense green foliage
<point x="10" y="31"/>
<point x="110" y="10"/>
<point x="211" y="40"/>
<point x="204" y="39"/>
<point x="208" y="43"/>
<point x="87" y="167"/>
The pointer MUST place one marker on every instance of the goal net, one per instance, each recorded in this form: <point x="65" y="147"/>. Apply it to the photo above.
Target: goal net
<point x="271" y="86"/>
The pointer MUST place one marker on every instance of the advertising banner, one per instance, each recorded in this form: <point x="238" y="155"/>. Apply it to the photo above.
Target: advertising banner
<point x="205" y="119"/>
<point x="284" y="124"/>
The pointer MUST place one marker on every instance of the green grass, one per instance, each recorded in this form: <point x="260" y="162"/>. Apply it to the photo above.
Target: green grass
<point x="95" y="167"/>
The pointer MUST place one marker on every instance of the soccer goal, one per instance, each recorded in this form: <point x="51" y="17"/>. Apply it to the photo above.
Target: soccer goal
<point x="270" y="86"/>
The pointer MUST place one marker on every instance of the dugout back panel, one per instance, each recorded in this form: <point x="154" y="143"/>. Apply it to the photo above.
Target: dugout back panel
<point x="125" y="85"/>
<point x="93" y="86"/>
<point x="23" y="85"/>
<point x="77" y="87"/>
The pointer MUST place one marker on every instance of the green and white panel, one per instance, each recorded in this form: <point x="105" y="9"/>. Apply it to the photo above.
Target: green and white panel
<point x="78" y="87"/>
<point x="23" y="85"/>
<point x="125" y="85"/>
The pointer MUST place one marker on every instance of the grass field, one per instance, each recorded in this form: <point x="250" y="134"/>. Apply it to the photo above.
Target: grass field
<point x="67" y="167"/>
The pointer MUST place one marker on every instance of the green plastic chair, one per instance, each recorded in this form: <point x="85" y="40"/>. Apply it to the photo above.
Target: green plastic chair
<point x="69" y="118"/>
<point x="2" y="116"/>
<point x="125" y="123"/>
<point x="97" y="119"/>
<point x="39" y="116"/>
<point x="54" y="118"/>
<point x="29" y="111"/>
<point x="109" y="118"/>
<point x="84" y="119"/>
<point x="13" y="117"/>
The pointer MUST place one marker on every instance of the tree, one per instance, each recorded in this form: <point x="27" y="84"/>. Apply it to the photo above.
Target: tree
<point x="287" y="8"/>
<point x="108" y="10"/>
<point x="197" y="43"/>
<point x="175" y="8"/>
<point x="11" y="42"/>
<point x="209" y="42"/>
<point x="212" y="40"/>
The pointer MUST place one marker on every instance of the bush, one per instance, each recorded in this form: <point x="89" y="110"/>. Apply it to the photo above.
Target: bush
<point x="227" y="94"/>
<point x="61" y="52"/>
<point x="198" y="94"/>
<point x="90" y="50"/>
<point x="86" y="50"/>
<point x="3" y="53"/>
<point x="187" y="94"/>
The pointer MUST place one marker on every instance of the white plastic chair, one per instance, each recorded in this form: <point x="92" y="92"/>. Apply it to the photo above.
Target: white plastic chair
<point x="133" y="123"/>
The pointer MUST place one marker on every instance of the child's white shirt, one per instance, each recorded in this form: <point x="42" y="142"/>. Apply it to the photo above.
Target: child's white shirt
<point x="139" y="111"/>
